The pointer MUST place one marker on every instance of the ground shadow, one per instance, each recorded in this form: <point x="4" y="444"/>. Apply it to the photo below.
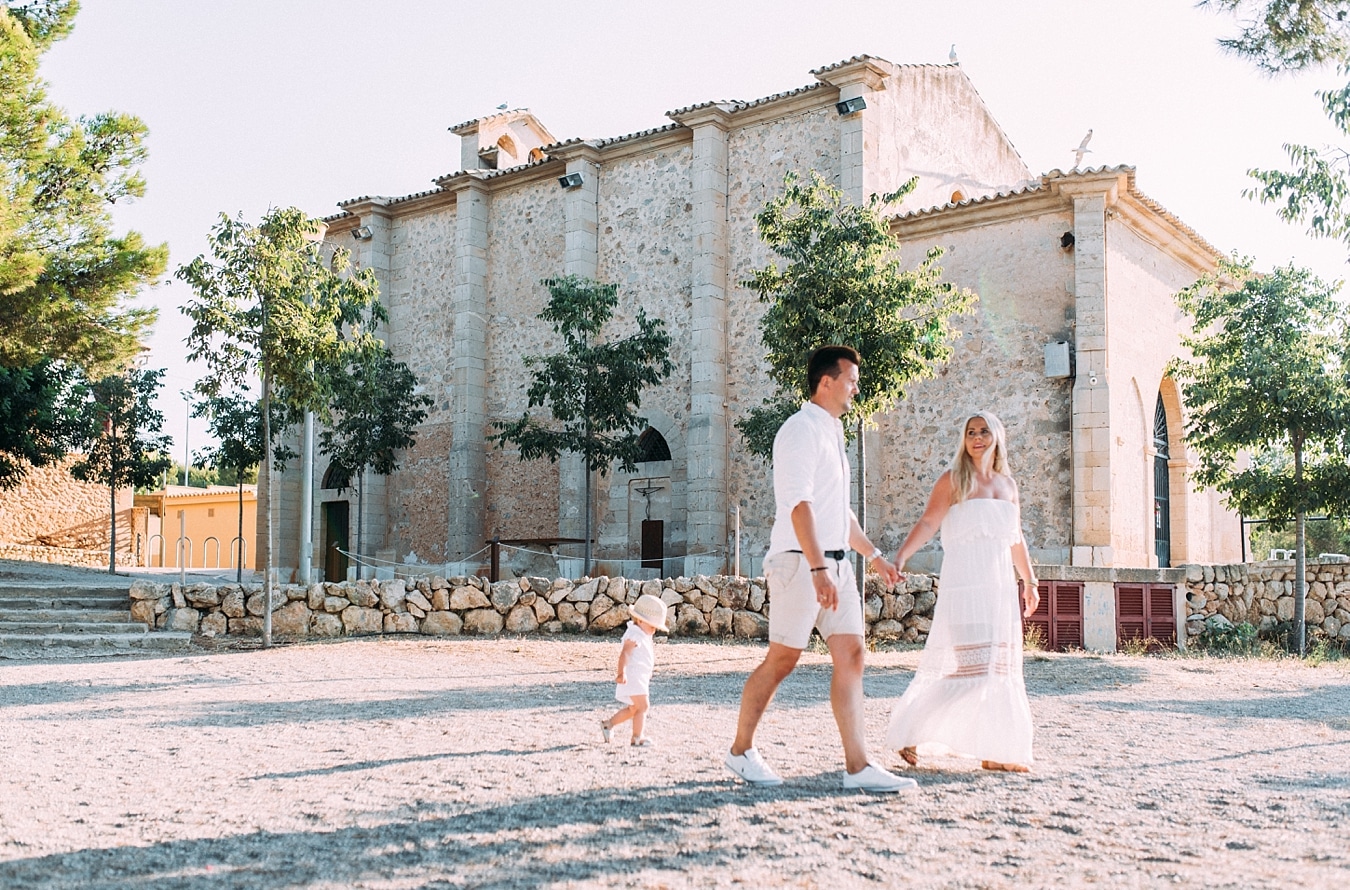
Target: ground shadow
<point x="1325" y="705"/>
<point x="549" y="839"/>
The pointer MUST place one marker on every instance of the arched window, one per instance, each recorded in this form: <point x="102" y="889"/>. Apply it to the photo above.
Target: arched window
<point x="1162" y="488"/>
<point x="336" y="476"/>
<point x="652" y="446"/>
<point x="958" y="196"/>
<point x="508" y="145"/>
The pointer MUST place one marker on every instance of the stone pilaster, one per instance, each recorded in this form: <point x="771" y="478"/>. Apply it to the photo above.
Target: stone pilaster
<point x="706" y="443"/>
<point x="468" y="307"/>
<point x="858" y="132"/>
<point x="581" y="256"/>
<point x="1091" y="392"/>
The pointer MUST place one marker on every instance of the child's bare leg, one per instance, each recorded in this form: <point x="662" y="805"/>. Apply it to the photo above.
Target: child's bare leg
<point x="624" y="713"/>
<point x="639" y="708"/>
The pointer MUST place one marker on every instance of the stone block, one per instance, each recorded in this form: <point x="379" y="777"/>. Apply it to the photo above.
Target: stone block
<point x="292" y="620"/>
<point x="440" y="599"/>
<point x="1284" y="608"/>
<point x="360" y="594"/>
<point x="522" y="620"/>
<point x="317" y="594"/>
<point x="245" y="627"/>
<point x="504" y="596"/>
<point x="232" y="604"/>
<point x="887" y="628"/>
<point x="462" y="599"/>
<point x="400" y="623"/>
<point x="442" y="624"/>
<point x="362" y="620"/>
<point x="393" y="593"/>
<point x="483" y="621"/>
<point x="613" y="617"/>
<point x="584" y="593"/>
<point x="143" y="611"/>
<point x="720" y="621"/>
<point x="335" y="604"/>
<point x="543" y="612"/>
<point x="689" y="621"/>
<point x="750" y="626"/>
<point x="414" y="611"/>
<point x="572" y="621"/>
<point x="146" y="590"/>
<point x="213" y="624"/>
<point x="296" y="592"/>
<point x="1313" y="613"/>
<point x="755" y="600"/>
<point x="415" y="598"/>
<point x="872" y="608"/>
<point x="256" y="602"/>
<point x="326" y="625"/>
<point x="182" y="619"/>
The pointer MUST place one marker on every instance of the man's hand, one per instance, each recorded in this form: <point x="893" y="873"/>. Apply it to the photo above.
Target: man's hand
<point x="826" y="592"/>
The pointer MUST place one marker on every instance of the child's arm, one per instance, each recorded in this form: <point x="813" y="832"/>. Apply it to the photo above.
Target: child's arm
<point x="628" y="646"/>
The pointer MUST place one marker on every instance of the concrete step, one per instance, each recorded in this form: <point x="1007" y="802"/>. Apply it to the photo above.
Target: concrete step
<point x="89" y="645"/>
<point x="35" y="600"/>
<point x="67" y="616"/>
<point x="125" y="626"/>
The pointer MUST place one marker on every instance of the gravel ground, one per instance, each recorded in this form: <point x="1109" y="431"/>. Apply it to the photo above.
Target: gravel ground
<point x="403" y="763"/>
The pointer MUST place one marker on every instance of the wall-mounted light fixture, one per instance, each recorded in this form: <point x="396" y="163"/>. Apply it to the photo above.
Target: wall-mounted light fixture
<point x="850" y="106"/>
<point x="570" y="180"/>
<point x="362" y="233"/>
<point x="1066" y="241"/>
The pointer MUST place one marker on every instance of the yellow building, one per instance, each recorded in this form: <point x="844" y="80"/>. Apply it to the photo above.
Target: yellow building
<point x="203" y="524"/>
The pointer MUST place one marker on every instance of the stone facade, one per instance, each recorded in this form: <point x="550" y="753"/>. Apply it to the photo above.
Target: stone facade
<point x="668" y="216"/>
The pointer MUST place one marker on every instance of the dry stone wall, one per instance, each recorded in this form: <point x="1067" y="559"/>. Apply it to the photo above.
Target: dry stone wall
<point x="704" y="605"/>
<point x="1262" y="594"/>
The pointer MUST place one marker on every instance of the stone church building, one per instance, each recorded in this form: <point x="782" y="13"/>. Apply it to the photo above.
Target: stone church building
<point x="1068" y="345"/>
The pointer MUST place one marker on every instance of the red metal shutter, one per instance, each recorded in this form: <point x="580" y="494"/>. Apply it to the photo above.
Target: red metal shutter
<point x="1067" y="616"/>
<point x="1131" y="618"/>
<point x="1040" y="619"/>
<point x="1162" y="619"/>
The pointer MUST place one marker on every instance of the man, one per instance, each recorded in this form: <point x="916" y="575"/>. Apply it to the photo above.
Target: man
<point x="811" y="581"/>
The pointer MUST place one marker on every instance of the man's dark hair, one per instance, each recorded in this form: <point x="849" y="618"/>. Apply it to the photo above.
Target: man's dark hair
<point x="825" y="360"/>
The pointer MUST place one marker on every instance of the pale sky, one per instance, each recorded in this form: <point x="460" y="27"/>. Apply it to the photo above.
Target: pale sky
<point x="259" y="103"/>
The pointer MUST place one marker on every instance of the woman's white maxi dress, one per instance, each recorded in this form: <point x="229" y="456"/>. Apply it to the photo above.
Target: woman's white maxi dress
<point x="967" y="696"/>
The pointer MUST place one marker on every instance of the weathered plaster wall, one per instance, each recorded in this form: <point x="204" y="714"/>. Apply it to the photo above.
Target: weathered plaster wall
<point x="934" y="125"/>
<point x="1144" y="328"/>
<point x="1022" y="277"/>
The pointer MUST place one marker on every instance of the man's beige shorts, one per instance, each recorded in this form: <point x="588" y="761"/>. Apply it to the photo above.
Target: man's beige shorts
<point x="793" y="609"/>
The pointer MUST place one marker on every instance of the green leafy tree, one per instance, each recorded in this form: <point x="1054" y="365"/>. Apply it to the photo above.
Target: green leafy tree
<point x="65" y="279"/>
<point x="38" y="421"/>
<point x="375" y="411"/>
<point x="274" y="305"/>
<point x="592" y="388"/>
<point x="841" y="281"/>
<point x="125" y="448"/>
<point x="1269" y="373"/>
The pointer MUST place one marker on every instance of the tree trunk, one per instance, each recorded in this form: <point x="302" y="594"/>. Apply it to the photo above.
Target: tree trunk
<point x="112" y="527"/>
<point x="586" y="563"/>
<point x="360" y="521"/>
<point x="239" y="568"/>
<point x="1300" y="561"/>
<point x="266" y="515"/>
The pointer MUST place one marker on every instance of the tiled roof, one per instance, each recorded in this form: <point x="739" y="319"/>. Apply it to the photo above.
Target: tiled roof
<point x="1046" y="182"/>
<point x="488" y="117"/>
<point x="850" y="61"/>
<point x="183" y="491"/>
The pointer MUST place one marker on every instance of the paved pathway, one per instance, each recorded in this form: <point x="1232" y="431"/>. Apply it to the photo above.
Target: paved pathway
<point x="477" y="763"/>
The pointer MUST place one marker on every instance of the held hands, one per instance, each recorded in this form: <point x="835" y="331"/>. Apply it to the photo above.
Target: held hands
<point x="888" y="571"/>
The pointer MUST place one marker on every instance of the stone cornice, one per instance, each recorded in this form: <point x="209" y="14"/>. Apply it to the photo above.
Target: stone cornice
<point x="717" y="114"/>
<point x="1055" y="193"/>
<point x="869" y="71"/>
<point x="573" y="151"/>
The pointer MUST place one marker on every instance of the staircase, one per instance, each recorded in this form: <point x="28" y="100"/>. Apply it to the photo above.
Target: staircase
<point x="40" y="620"/>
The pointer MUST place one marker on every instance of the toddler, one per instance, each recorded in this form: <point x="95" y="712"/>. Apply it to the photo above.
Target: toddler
<point x="637" y="657"/>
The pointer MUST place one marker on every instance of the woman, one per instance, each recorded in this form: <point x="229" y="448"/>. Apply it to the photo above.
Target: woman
<point x="967" y="696"/>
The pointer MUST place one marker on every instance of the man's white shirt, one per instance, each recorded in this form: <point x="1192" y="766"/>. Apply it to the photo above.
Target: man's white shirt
<point x="810" y="464"/>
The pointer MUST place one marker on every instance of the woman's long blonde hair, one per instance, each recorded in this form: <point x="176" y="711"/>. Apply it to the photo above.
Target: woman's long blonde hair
<point x="963" y="469"/>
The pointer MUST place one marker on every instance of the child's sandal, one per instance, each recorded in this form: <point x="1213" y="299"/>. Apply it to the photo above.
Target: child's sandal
<point x="643" y="742"/>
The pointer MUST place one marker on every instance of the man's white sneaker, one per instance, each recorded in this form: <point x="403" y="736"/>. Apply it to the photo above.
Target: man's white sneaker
<point x="752" y="768"/>
<point x="874" y="778"/>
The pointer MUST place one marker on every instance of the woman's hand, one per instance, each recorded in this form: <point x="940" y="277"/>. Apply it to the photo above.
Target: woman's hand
<point x="1032" y="597"/>
<point x="619" y="677"/>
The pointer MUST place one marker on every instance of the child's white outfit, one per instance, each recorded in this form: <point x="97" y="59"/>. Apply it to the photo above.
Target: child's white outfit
<point x="637" y="672"/>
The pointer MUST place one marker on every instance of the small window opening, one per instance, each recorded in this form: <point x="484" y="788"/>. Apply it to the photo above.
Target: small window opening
<point x="958" y="196"/>
<point x="652" y="447"/>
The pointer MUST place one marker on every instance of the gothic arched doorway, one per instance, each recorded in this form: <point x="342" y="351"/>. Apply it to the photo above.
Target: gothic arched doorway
<point x="1162" y="488"/>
